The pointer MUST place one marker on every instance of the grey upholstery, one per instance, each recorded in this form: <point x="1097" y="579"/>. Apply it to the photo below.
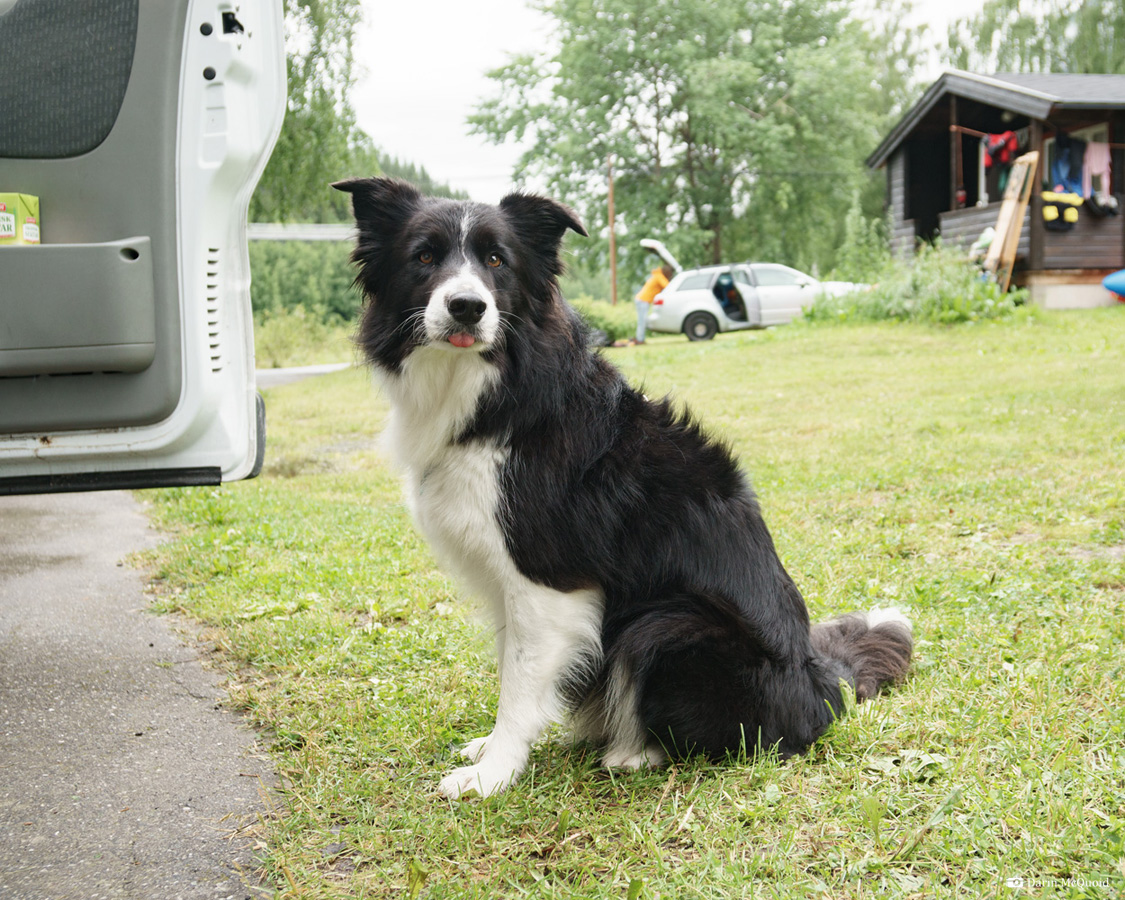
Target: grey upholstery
<point x="65" y="69"/>
<point x="120" y="187"/>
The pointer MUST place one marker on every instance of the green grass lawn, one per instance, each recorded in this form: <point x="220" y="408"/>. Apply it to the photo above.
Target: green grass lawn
<point x="974" y="476"/>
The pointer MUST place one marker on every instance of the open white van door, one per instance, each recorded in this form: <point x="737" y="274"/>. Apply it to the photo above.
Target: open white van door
<point x="126" y="336"/>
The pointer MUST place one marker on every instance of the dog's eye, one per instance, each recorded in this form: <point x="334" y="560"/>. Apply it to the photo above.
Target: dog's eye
<point x="426" y="258"/>
<point x="494" y="260"/>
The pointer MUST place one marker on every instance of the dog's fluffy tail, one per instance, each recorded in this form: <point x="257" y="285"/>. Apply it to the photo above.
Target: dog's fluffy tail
<point x="875" y="648"/>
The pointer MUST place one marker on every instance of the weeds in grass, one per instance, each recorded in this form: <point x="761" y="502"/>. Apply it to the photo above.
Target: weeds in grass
<point x="974" y="476"/>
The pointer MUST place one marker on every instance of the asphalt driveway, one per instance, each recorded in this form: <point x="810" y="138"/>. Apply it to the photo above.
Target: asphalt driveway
<point x="121" y="775"/>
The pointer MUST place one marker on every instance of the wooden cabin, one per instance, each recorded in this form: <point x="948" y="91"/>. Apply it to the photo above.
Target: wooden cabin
<point x="942" y="181"/>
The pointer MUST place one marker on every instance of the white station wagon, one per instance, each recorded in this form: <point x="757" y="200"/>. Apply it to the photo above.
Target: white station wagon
<point x="703" y="301"/>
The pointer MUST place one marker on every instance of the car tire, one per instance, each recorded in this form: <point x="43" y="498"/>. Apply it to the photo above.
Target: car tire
<point x="700" y="326"/>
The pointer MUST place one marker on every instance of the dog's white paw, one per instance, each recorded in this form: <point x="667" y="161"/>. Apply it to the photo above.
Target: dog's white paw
<point x="475" y="749"/>
<point x="621" y="758"/>
<point x="482" y="780"/>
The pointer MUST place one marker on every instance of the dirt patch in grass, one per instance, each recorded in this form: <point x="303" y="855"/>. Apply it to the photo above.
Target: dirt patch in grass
<point x="1115" y="552"/>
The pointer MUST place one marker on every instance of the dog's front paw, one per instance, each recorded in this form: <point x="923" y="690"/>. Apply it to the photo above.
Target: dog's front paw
<point x="475" y="749"/>
<point x="482" y="780"/>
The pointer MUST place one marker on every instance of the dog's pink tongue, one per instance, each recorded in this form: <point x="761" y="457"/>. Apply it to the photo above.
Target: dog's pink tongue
<point x="462" y="340"/>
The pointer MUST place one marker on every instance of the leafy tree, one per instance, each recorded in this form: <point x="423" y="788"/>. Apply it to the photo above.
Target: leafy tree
<point x="315" y="275"/>
<point x="320" y="141"/>
<point x="307" y="285"/>
<point x="369" y="160"/>
<point x="736" y="128"/>
<point x="864" y="253"/>
<point x="319" y="137"/>
<point x="1082" y="36"/>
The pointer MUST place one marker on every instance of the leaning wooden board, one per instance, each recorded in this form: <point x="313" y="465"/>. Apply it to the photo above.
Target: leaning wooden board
<point x="1002" y="252"/>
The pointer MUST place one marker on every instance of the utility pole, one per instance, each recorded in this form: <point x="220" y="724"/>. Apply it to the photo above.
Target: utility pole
<point x="612" y="240"/>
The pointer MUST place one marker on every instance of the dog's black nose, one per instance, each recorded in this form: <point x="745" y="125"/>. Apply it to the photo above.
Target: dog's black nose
<point x="466" y="309"/>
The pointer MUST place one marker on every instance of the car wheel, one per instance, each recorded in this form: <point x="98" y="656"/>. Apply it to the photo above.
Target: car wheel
<point x="700" y="326"/>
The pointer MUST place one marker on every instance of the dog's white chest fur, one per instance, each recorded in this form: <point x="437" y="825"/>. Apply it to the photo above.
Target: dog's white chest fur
<point x="455" y="494"/>
<point x="455" y="504"/>
<point x="452" y="488"/>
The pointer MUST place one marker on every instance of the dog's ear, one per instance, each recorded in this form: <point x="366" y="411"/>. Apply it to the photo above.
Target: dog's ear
<point x="542" y="223"/>
<point x="380" y="205"/>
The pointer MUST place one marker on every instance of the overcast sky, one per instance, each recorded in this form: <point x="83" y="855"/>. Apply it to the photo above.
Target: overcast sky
<point x="423" y="66"/>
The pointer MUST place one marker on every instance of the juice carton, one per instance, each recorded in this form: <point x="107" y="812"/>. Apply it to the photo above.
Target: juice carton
<point x="19" y="219"/>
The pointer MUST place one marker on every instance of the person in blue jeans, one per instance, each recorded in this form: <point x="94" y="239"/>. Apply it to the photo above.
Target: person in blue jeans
<point x="657" y="281"/>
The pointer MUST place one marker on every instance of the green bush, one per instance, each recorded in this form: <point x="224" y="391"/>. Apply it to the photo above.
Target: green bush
<point x="939" y="285"/>
<point x="618" y="322"/>
<point x="315" y="275"/>
<point x="300" y="337"/>
<point x="586" y="277"/>
<point x="864" y="255"/>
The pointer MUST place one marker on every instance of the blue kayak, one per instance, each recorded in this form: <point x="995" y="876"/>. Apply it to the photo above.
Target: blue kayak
<point x="1115" y="283"/>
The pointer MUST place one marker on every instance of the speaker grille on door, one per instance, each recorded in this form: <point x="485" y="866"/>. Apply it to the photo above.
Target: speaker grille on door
<point x="214" y="347"/>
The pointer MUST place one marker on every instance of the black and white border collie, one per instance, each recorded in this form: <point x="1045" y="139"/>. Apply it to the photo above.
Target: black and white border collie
<point x="630" y="576"/>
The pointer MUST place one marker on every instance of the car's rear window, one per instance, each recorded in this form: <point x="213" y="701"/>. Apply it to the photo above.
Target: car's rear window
<point x="775" y="276"/>
<point x="697" y="282"/>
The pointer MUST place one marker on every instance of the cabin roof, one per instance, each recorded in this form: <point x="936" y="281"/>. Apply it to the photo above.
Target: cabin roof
<point x="1035" y="95"/>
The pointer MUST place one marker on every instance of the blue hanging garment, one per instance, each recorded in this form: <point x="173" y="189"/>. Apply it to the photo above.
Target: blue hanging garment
<point x="1066" y="170"/>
